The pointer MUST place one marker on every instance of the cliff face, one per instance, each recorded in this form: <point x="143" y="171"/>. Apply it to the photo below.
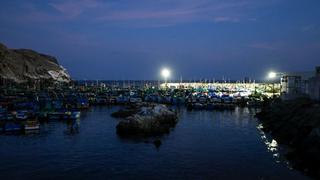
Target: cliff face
<point x="21" y="65"/>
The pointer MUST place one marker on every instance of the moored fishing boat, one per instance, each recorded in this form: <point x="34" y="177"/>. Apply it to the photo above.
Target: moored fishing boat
<point x="31" y="125"/>
<point x="135" y="99"/>
<point x="3" y="114"/>
<point x="42" y="115"/>
<point x="177" y="100"/>
<point x="226" y="99"/>
<point x="122" y="99"/>
<point x="198" y="106"/>
<point x="73" y="115"/>
<point x="56" y="115"/>
<point x="64" y="115"/>
<point x="166" y="99"/>
<point x="22" y="115"/>
<point x="151" y="98"/>
<point x="215" y="99"/>
<point x="12" y="126"/>
<point x="101" y="100"/>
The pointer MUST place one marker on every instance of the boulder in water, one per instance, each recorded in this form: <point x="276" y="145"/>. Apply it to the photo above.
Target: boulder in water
<point x="149" y="121"/>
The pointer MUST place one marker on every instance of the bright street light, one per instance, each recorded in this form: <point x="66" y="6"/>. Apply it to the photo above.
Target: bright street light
<point x="165" y="73"/>
<point x="272" y="75"/>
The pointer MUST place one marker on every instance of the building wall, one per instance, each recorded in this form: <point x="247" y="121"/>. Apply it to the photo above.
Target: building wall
<point x="314" y="86"/>
<point x="291" y="84"/>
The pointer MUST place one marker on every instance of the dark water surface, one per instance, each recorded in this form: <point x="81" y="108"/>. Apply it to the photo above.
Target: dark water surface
<point x="203" y="145"/>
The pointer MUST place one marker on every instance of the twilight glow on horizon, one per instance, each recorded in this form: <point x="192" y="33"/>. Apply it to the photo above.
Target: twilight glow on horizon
<point x="126" y="39"/>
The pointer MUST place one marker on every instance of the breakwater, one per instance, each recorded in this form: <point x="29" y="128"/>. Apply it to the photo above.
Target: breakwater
<point x="295" y="124"/>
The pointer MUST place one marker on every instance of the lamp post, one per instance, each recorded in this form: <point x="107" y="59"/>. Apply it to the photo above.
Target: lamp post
<point x="165" y="74"/>
<point x="272" y="75"/>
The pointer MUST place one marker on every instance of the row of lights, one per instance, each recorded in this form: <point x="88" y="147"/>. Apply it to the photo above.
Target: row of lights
<point x="166" y="74"/>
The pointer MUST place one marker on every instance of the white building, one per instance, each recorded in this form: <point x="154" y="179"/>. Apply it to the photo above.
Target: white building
<point x="294" y="85"/>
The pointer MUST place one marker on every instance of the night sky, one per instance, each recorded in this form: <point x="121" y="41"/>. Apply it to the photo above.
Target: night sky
<point x="134" y="39"/>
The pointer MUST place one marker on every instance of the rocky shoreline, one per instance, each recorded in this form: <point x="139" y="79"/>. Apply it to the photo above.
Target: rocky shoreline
<point x="296" y="124"/>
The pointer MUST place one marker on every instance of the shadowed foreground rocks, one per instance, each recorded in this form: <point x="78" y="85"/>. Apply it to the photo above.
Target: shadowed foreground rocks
<point x="296" y="124"/>
<point x="151" y="120"/>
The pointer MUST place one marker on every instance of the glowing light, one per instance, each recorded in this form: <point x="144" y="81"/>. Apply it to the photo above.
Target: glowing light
<point x="165" y="73"/>
<point x="272" y="75"/>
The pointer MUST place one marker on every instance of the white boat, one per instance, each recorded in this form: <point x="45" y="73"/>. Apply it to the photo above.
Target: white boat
<point x="31" y="125"/>
<point x="22" y="115"/>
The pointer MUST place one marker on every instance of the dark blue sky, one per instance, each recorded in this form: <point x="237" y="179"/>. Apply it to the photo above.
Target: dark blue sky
<point x="133" y="39"/>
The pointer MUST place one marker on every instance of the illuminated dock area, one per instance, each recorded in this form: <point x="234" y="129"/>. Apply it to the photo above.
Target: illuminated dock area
<point x="263" y="88"/>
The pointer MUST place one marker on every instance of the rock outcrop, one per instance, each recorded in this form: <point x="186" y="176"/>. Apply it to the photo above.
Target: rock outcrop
<point x="22" y="65"/>
<point x="149" y="121"/>
<point x="296" y="124"/>
<point x="125" y="113"/>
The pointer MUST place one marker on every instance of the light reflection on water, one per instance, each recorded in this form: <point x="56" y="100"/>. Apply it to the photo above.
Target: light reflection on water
<point x="272" y="146"/>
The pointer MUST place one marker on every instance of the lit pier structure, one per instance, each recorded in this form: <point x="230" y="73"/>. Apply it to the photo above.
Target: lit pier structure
<point x="265" y="88"/>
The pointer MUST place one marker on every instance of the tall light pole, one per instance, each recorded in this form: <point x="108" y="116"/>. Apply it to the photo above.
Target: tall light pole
<point x="272" y="75"/>
<point x="165" y="74"/>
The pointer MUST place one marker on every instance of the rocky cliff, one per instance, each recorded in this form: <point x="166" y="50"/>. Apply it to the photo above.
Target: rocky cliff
<point x="22" y="65"/>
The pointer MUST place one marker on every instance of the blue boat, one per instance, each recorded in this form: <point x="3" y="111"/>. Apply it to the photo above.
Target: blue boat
<point x="75" y="115"/>
<point x="22" y="115"/>
<point x="57" y="104"/>
<point x="64" y="115"/>
<point x="3" y="110"/>
<point x="122" y="99"/>
<point x="101" y="100"/>
<point x="29" y="105"/>
<point x="31" y="125"/>
<point x="3" y="114"/>
<point x="9" y="127"/>
<point x="135" y="99"/>
<point x="151" y="98"/>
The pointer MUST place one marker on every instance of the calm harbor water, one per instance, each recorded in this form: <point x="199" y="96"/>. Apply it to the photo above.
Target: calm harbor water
<point x="203" y="145"/>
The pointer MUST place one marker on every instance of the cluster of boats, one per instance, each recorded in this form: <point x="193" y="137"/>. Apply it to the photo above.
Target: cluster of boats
<point x="198" y="100"/>
<point x="186" y="97"/>
<point x="17" y="121"/>
<point x="24" y="110"/>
